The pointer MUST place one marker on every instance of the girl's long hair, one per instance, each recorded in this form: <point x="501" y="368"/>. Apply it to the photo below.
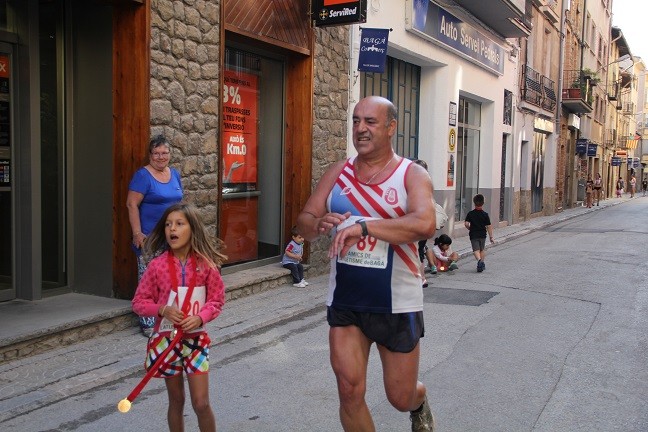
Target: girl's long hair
<point x="201" y="245"/>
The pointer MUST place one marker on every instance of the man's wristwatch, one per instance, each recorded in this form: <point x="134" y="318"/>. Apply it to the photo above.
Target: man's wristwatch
<point x="363" y="224"/>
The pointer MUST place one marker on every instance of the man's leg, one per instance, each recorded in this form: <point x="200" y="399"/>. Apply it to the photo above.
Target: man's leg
<point x="349" y="357"/>
<point x="400" y="377"/>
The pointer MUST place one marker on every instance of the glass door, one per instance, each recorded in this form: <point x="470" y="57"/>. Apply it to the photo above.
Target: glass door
<point x="7" y="240"/>
<point x="53" y="149"/>
<point x="252" y="154"/>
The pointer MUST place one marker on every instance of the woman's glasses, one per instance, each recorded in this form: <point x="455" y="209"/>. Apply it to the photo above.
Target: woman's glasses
<point x="160" y="154"/>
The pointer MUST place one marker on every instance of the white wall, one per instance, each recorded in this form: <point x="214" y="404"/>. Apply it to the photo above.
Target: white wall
<point x="444" y="75"/>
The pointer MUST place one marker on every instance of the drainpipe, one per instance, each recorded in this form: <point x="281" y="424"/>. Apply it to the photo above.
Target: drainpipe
<point x="561" y="71"/>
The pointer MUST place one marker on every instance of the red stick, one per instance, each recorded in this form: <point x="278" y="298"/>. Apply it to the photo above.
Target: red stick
<point x="158" y="362"/>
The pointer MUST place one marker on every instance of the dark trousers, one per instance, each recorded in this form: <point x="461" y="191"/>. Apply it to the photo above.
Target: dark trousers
<point x="296" y="271"/>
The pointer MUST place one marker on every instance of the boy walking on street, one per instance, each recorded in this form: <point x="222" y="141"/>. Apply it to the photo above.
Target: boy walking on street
<point x="478" y="224"/>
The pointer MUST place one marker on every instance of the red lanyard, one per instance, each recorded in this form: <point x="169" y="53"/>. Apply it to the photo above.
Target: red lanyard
<point x="186" y="304"/>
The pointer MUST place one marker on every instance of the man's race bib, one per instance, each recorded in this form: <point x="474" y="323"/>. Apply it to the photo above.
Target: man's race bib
<point x="368" y="252"/>
<point x="196" y="303"/>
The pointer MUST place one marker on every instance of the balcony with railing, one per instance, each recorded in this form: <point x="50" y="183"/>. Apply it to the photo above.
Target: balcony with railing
<point x="531" y="86"/>
<point x="577" y="91"/>
<point x="538" y="89"/>
<point x="613" y="90"/>
<point x="549" y="98"/>
<point x="510" y="18"/>
<point x="628" y="108"/>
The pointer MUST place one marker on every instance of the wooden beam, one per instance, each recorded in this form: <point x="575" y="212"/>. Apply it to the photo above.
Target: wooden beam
<point x="131" y="127"/>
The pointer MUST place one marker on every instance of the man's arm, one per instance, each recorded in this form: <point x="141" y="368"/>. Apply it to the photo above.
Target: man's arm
<point x="418" y="223"/>
<point x="313" y="220"/>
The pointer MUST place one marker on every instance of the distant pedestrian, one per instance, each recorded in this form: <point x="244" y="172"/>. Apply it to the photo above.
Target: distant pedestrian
<point x="644" y="185"/>
<point x="478" y="224"/>
<point x="598" y="185"/>
<point x="633" y="186"/>
<point x="619" y="187"/>
<point x="183" y="289"/>
<point x="292" y="258"/>
<point x="589" y="191"/>
<point x="445" y="258"/>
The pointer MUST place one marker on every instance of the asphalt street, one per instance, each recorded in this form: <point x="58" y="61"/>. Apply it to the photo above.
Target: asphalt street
<point x="553" y="336"/>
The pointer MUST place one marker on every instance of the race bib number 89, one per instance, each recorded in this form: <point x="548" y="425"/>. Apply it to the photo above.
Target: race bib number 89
<point x="368" y="252"/>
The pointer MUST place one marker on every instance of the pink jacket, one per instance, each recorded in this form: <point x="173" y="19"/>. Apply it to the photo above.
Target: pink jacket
<point x="155" y="286"/>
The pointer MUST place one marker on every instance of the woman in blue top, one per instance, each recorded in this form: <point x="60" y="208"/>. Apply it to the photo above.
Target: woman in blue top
<point x="151" y="191"/>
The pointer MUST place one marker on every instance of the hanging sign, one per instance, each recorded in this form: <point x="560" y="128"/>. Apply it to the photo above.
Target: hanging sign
<point x="615" y="161"/>
<point x="581" y="145"/>
<point x="240" y="127"/>
<point x="373" y="50"/>
<point x="591" y="149"/>
<point x="338" y="12"/>
<point x="430" y="21"/>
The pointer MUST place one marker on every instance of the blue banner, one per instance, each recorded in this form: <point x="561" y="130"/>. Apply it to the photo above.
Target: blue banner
<point x="440" y="26"/>
<point x="616" y="161"/>
<point x="373" y="50"/>
<point x="581" y="145"/>
<point x="591" y="149"/>
<point x="635" y="163"/>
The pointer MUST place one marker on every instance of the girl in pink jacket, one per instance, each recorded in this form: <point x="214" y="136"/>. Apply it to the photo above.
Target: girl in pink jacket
<point x="183" y="289"/>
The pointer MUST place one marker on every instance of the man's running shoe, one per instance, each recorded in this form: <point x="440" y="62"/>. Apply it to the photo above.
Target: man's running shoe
<point x="481" y="266"/>
<point x="422" y="419"/>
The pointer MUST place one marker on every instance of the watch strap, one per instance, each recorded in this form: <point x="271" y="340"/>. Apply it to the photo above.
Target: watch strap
<point x="363" y="225"/>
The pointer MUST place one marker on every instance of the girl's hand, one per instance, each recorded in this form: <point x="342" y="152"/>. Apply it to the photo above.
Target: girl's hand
<point x="173" y="314"/>
<point x="190" y="323"/>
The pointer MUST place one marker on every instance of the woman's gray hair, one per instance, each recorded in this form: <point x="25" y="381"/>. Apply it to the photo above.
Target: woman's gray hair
<point x="157" y="141"/>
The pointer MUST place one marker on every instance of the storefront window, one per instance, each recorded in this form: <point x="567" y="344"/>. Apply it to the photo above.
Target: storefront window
<point x="252" y="149"/>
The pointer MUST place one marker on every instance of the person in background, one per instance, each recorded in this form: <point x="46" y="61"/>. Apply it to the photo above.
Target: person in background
<point x="377" y="206"/>
<point x="589" y="191"/>
<point x="644" y="185"/>
<point x="183" y="288"/>
<point x="293" y="257"/>
<point x="445" y="258"/>
<point x="633" y="185"/>
<point x="151" y="191"/>
<point x="619" y="187"/>
<point x="598" y="185"/>
<point x="478" y="224"/>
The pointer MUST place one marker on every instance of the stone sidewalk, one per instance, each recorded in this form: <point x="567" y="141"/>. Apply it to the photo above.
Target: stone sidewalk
<point x="42" y="379"/>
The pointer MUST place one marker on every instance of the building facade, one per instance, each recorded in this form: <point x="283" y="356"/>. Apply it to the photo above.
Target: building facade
<point x="452" y="72"/>
<point x="536" y="113"/>
<point x="85" y="84"/>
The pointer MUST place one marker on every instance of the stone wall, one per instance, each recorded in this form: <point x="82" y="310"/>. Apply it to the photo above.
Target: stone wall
<point x="330" y="107"/>
<point x="185" y="55"/>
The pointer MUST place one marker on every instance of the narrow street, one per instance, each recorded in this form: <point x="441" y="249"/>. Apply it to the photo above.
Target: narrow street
<point x="551" y="337"/>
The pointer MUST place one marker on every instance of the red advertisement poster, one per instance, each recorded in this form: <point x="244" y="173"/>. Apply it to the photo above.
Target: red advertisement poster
<point x="4" y="66"/>
<point x="240" y="132"/>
